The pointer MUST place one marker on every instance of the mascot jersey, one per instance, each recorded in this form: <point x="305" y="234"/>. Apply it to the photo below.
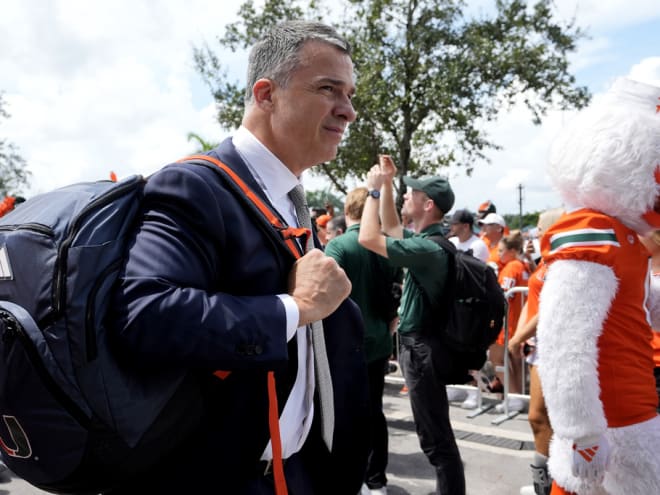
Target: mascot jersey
<point x="625" y="357"/>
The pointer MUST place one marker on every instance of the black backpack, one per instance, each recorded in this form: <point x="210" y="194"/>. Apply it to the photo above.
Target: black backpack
<point x="473" y="306"/>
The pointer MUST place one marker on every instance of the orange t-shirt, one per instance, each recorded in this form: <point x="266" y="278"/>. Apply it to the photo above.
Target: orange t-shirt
<point x="513" y="274"/>
<point x="625" y="357"/>
<point x="493" y="253"/>
<point x="534" y="287"/>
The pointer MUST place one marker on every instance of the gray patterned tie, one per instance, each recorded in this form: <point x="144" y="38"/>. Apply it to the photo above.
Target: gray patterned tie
<point x="321" y="366"/>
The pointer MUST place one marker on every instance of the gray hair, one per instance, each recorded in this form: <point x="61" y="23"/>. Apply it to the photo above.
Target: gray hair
<point x="276" y="55"/>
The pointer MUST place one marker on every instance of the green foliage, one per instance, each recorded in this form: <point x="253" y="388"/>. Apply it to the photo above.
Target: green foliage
<point x="528" y="219"/>
<point x="428" y="78"/>
<point x="323" y="199"/>
<point x="13" y="173"/>
<point x="202" y="144"/>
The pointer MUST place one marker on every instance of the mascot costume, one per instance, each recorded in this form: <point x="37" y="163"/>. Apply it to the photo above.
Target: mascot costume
<point x="596" y="309"/>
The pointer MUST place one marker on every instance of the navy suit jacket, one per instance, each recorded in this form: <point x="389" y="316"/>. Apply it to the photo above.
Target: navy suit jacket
<point x="198" y="292"/>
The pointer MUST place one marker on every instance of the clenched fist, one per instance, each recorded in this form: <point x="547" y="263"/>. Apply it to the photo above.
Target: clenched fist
<point x="318" y="285"/>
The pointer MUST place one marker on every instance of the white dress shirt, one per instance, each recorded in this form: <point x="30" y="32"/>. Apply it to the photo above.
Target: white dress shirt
<point x="277" y="180"/>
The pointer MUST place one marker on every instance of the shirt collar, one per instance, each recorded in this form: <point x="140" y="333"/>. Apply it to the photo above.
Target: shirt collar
<point x="434" y="228"/>
<point x="272" y="175"/>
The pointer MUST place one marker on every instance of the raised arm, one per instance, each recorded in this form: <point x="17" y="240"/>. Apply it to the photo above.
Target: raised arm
<point x="389" y="218"/>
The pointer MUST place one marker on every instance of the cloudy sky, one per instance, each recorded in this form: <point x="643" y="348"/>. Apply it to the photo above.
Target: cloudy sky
<point x="100" y="86"/>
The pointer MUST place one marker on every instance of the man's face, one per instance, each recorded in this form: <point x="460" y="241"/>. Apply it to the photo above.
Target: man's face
<point x="492" y="230"/>
<point x="309" y="115"/>
<point x="330" y="233"/>
<point x="456" y="229"/>
<point x="413" y="203"/>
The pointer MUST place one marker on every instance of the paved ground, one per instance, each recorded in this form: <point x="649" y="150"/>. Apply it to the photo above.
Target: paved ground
<point x="496" y="458"/>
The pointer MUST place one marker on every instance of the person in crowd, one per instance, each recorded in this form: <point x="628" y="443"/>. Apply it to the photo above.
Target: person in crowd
<point x="321" y="228"/>
<point x="513" y="274"/>
<point x="597" y="308"/>
<point x="492" y="226"/>
<point x="524" y="341"/>
<point x="266" y="334"/>
<point x="652" y="243"/>
<point x="464" y="238"/>
<point x="9" y="203"/>
<point x="369" y="273"/>
<point x="335" y="227"/>
<point x="426" y="364"/>
<point x="485" y="208"/>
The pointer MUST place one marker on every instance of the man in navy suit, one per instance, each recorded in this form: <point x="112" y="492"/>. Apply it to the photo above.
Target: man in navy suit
<point x="209" y="286"/>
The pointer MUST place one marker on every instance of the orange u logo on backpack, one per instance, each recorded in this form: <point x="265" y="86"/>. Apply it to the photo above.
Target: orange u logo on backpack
<point x="22" y="448"/>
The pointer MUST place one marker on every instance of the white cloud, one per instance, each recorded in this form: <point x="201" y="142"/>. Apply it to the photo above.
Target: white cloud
<point x="100" y="86"/>
<point x="599" y="15"/>
<point x="648" y="71"/>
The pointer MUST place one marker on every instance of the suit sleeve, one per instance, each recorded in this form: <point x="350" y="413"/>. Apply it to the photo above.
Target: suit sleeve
<point x="179" y="299"/>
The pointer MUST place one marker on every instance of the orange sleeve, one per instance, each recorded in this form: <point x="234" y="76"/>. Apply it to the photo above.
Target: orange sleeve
<point x="582" y="236"/>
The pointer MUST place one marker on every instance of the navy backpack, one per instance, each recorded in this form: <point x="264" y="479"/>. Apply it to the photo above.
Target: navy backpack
<point x="75" y="418"/>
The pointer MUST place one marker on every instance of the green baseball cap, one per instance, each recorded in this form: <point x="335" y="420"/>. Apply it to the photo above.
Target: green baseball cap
<point x="437" y="188"/>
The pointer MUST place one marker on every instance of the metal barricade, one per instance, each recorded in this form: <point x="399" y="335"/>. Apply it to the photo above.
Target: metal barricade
<point x="505" y="368"/>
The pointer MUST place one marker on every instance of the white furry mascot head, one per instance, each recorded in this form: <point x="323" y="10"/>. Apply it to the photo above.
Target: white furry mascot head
<point x="608" y="159"/>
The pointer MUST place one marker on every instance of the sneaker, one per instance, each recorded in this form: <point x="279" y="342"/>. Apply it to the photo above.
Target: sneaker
<point x="379" y="491"/>
<point x="456" y="394"/>
<point x="515" y="405"/>
<point x="472" y="400"/>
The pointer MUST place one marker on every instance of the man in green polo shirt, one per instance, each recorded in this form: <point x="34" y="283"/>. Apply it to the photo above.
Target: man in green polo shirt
<point x="369" y="274"/>
<point x="426" y="363"/>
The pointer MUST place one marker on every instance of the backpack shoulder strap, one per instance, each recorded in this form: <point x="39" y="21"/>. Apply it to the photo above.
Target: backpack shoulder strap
<point x="444" y="305"/>
<point x="255" y="204"/>
<point x="287" y="235"/>
<point x="444" y="243"/>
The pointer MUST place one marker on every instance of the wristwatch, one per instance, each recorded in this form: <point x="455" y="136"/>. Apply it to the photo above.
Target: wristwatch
<point x="374" y="193"/>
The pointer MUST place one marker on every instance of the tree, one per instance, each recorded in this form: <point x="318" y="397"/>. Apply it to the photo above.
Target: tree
<point x="518" y="222"/>
<point x="13" y="174"/>
<point x="429" y="78"/>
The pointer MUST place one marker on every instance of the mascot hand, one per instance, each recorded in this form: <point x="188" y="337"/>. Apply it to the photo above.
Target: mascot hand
<point x="591" y="457"/>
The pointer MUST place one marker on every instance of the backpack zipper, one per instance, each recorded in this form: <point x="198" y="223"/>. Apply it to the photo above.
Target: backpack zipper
<point x="33" y="227"/>
<point x="59" y="286"/>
